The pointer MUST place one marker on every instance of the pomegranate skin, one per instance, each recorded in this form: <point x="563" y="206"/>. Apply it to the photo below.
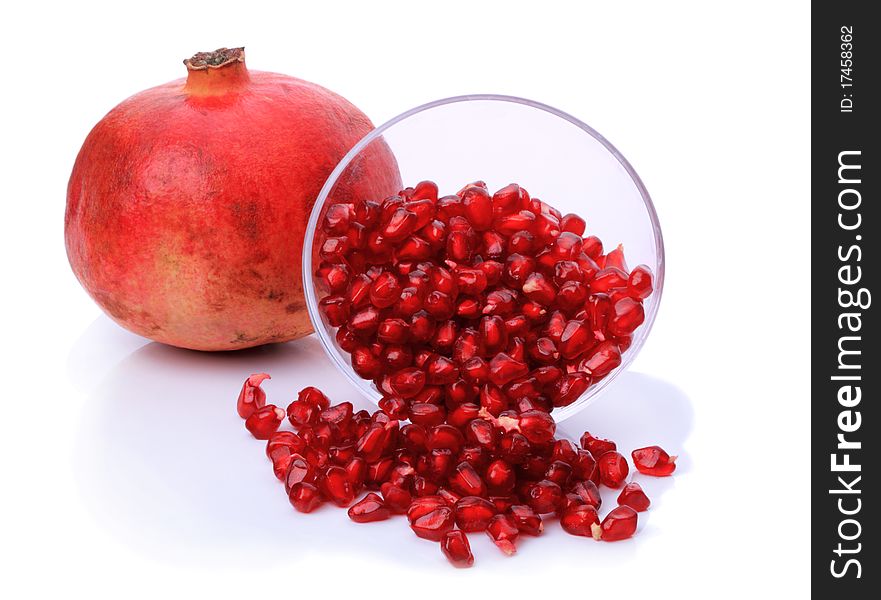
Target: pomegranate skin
<point x="188" y="202"/>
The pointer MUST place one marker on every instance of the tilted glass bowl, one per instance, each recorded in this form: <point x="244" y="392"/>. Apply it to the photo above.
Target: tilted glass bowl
<point x="502" y="140"/>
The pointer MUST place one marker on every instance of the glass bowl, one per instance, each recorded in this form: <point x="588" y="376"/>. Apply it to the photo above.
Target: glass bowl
<point x="500" y="140"/>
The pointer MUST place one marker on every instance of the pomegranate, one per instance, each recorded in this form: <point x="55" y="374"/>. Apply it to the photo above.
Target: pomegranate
<point x="187" y="204"/>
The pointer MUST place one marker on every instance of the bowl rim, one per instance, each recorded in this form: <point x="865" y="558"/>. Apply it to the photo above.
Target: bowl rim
<point x="630" y="355"/>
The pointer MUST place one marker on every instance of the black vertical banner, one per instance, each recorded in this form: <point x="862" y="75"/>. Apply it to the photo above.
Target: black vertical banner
<point x="845" y="172"/>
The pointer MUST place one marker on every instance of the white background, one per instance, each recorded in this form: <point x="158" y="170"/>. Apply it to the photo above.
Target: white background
<point x="125" y="469"/>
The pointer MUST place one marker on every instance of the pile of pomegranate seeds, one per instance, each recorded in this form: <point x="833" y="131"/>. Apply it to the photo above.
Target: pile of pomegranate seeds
<point x="503" y="475"/>
<point x="475" y="315"/>
<point x="475" y="300"/>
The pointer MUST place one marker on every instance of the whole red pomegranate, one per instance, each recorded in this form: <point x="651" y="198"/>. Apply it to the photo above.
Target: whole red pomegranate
<point x="188" y="202"/>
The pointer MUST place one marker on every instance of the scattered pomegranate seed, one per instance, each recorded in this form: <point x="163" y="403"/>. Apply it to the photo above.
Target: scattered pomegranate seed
<point x="369" y="509"/>
<point x="473" y="513"/>
<point x="580" y="520"/>
<point x="613" y="469"/>
<point x="264" y="421"/>
<point x="305" y="497"/>
<point x="434" y="524"/>
<point x="456" y="548"/>
<point x="503" y="532"/>
<point x="252" y="397"/>
<point x="619" y="524"/>
<point x="653" y="460"/>
<point x="633" y="496"/>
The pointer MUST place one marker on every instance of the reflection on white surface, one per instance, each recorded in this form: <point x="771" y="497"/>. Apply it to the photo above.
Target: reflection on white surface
<point x="166" y="466"/>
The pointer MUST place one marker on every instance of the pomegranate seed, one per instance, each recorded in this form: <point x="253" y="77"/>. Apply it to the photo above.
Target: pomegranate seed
<point x="456" y="548"/>
<point x="265" y="421"/>
<point x="633" y="496"/>
<point x="433" y="524"/>
<point x="573" y="223"/>
<point x="539" y="290"/>
<point x="440" y="370"/>
<point x="500" y="477"/>
<point x="482" y="433"/>
<point x="544" y="496"/>
<point x="493" y="334"/>
<point x="395" y="407"/>
<point x="446" y="437"/>
<point x="510" y="224"/>
<point x="423" y="505"/>
<point x="507" y="200"/>
<point x="424" y="487"/>
<point x="365" y="364"/>
<point x="525" y="519"/>
<point x="299" y="470"/>
<point x="503" y="532"/>
<point x="408" y="382"/>
<point x="544" y="351"/>
<point x="426" y="414"/>
<point x="356" y="469"/>
<point x="475" y="370"/>
<point x="575" y="339"/>
<point x="597" y="446"/>
<point x="473" y="513"/>
<point x="584" y="465"/>
<point x="580" y="520"/>
<point x="305" y="497"/>
<point x="371" y="444"/>
<point x="425" y="190"/>
<point x="466" y="481"/>
<point x="619" y="524"/>
<point x="613" y="469"/>
<point x="627" y="315"/>
<point x="449" y="497"/>
<point x="401" y="223"/>
<point x="615" y="259"/>
<point x="518" y="268"/>
<point x="478" y="207"/>
<point x="559" y="472"/>
<point x="252" y="397"/>
<point x="392" y="331"/>
<point x="639" y="284"/>
<point x="504" y="368"/>
<point x="601" y="360"/>
<point x="492" y="269"/>
<point x="396" y="499"/>
<point x="463" y="414"/>
<point x="609" y="279"/>
<point x="369" y="509"/>
<point x="589" y="493"/>
<point x="284" y="443"/>
<point x="537" y="426"/>
<point x="337" y="486"/>
<point x="653" y="460"/>
<point x="336" y="219"/>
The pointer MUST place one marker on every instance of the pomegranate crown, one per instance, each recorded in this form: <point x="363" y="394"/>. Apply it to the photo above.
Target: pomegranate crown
<point x="203" y="61"/>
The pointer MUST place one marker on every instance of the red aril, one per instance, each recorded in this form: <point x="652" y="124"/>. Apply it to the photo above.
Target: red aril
<point x="580" y="520"/>
<point x="369" y="509"/>
<point x="619" y="524"/>
<point x="456" y="548"/>
<point x="633" y="496"/>
<point x="653" y="460"/>
<point x="503" y="532"/>
<point x="613" y="469"/>
<point x="265" y="421"/>
<point x="252" y="397"/>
